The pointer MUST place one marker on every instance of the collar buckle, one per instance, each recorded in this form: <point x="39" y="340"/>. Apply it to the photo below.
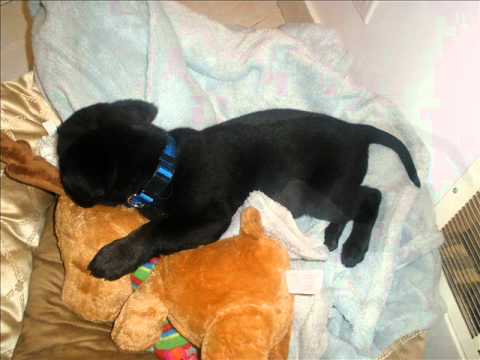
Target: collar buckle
<point x="161" y="178"/>
<point x="135" y="202"/>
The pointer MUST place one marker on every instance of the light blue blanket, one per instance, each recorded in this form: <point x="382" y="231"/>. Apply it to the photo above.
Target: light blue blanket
<point x="200" y="73"/>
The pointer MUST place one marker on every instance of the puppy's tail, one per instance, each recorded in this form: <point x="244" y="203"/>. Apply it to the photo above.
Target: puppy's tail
<point x="377" y="136"/>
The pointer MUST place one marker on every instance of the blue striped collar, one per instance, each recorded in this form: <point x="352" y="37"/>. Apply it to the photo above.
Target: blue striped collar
<point x="155" y="187"/>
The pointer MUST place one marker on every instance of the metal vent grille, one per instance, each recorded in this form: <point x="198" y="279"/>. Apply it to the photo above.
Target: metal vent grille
<point x="461" y="261"/>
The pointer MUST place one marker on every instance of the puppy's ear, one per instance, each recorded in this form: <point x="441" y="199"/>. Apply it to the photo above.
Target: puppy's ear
<point x="142" y="110"/>
<point x="78" y="124"/>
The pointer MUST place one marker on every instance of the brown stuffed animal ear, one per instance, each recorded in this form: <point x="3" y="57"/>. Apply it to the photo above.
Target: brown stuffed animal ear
<point x="139" y="324"/>
<point x="24" y="166"/>
<point x="251" y="223"/>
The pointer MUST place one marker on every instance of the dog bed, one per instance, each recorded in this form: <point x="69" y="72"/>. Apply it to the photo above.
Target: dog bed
<point x="396" y="300"/>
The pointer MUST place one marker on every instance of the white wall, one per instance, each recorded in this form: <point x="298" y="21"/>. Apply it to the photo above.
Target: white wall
<point x="15" y="54"/>
<point x="424" y="56"/>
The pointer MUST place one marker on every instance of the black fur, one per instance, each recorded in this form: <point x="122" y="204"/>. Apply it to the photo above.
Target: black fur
<point x="311" y="163"/>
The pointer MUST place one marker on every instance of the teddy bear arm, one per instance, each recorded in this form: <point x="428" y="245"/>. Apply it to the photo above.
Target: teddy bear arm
<point x="246" y="332"/>
<point x="139" y="324"/>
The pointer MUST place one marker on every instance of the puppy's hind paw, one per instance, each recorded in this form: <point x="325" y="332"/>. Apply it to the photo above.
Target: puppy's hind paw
<point x="352" y="254"/>
<point x="332" y="235"/>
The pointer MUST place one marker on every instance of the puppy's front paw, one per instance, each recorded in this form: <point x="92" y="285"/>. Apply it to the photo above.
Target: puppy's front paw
<point x="115" y="260"/>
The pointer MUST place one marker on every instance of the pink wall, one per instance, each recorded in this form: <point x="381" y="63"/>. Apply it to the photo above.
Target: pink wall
<point x="424" y="56"/>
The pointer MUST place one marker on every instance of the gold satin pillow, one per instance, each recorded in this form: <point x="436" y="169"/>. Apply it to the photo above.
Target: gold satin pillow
<point x="22" y="215"/>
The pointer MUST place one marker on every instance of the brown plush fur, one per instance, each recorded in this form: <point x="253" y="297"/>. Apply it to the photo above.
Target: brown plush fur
<point x="24" y="166"/>
<point x="230" y="298"/>
<point x="81" y="233"/>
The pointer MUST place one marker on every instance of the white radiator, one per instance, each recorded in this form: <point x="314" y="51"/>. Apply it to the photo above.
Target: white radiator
<point x="458" y="216"/>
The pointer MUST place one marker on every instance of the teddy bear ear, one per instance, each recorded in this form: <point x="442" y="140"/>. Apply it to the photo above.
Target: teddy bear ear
<point x="22" y="165"/>
<point x="251" y="223"/>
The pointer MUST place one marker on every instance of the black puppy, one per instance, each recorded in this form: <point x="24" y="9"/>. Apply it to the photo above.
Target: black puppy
<point x="190" y="183"/>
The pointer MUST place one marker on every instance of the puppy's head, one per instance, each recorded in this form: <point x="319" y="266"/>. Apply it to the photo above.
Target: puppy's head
<point x="108" y="151"/>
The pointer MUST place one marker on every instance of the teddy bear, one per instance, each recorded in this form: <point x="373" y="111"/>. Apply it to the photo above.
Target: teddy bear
<point x="229" y="298"/>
